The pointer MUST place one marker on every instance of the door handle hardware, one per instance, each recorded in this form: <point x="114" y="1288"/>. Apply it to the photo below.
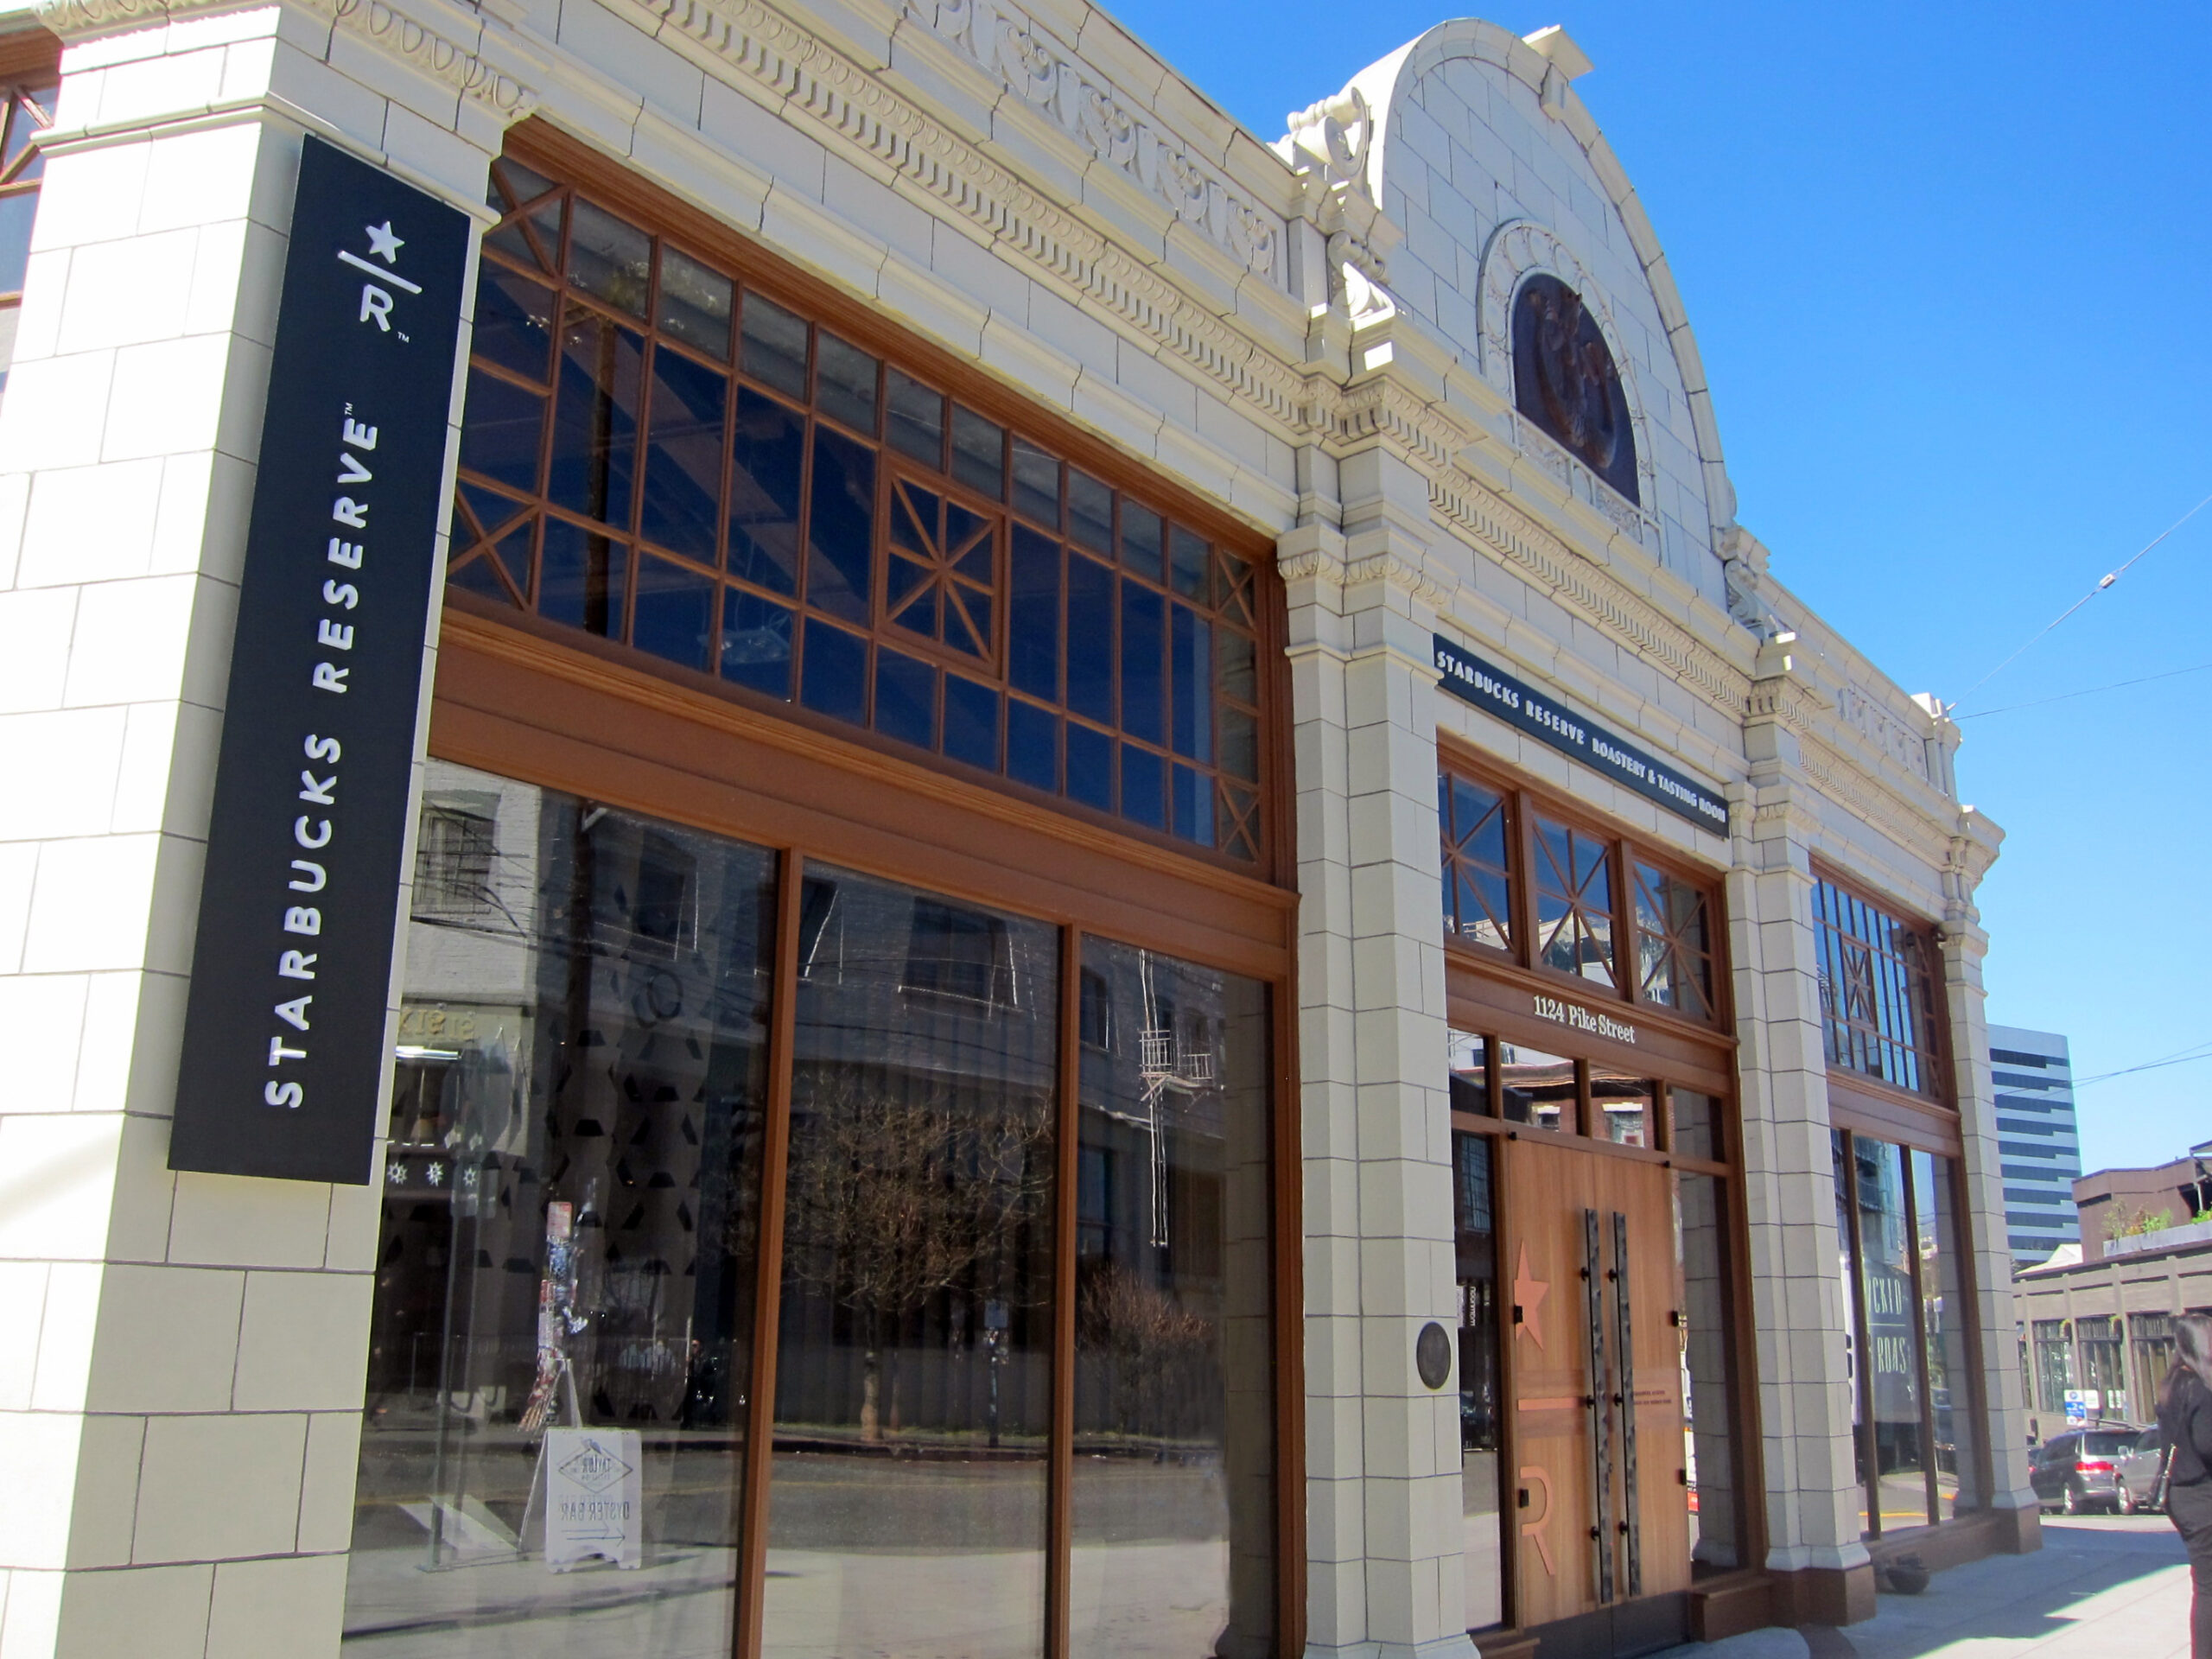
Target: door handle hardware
<point x="1517" y="1315"/>
<point x="1521" y="1502"/>
<point x="1674" y="1318"/>
<point x="1681" y="1476"/>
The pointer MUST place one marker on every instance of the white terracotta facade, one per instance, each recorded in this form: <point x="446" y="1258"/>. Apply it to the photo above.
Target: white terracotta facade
<point x="1308" y="333"/>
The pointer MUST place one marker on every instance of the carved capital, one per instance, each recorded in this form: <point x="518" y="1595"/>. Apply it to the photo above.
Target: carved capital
<point x="1407" y="576"/>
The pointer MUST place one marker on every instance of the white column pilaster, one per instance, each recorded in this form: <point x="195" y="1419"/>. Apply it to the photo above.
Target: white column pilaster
<point x="1963" y="945"/>
<point x="1385" y="1542"/>
<point x="1800" y="1307"/>
<point x="180" y="1404"/>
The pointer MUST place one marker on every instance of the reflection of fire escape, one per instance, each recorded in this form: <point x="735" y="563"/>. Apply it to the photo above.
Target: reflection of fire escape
<point x="1161" y="1068"/>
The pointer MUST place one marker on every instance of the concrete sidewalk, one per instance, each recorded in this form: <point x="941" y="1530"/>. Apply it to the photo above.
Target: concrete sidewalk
<point x="2101" y="1587"/>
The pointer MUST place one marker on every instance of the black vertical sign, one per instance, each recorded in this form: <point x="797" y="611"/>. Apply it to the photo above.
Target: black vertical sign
<point x="283" y="1037"/>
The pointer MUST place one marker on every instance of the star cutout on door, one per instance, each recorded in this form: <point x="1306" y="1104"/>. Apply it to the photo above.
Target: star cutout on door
<point x="1528" y="1294"/>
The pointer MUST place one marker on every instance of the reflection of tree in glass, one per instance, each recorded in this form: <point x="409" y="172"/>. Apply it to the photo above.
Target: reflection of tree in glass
<point x="1161" y="1353"/>
<point x="901" y="1188"/>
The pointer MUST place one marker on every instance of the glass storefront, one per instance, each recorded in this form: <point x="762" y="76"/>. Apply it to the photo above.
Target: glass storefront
<point x="1709" y="1426"/>
<point x="611" y="1181"/>
<point x="1919" y="1455"/>
<point x="1529" y="890"/>
<point x="1172" y="1503"/>
<point x="907" y="1503"/>
<point x="1475" y="1226"/>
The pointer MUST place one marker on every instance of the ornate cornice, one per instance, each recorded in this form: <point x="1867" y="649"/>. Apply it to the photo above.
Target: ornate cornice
<point x="1872" y="799"/>
<point x="1007" y="43"/>
<point x="814" y="83"/>
<point x="424" y="48"/>
<point x="430" y="50"/>
<point x="1466" y="503"/>
<point x="80" y="20"/>
<point x="1406" y="574"/>
<point x="1386" y="408"/>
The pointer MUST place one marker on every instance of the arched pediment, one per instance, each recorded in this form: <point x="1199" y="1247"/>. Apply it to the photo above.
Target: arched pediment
<point x="1561" y="203"/>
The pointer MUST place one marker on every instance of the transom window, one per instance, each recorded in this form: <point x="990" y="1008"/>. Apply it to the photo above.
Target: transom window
<point x="657" y="453"/>
<point x="1877" y="1000"/>
<point x="1478" y="902"/>
<point x="26" y="110"/>
<point x="1673" y="946"/>
<point x="1575" y="901"/>
<point x="1542" y="891"/>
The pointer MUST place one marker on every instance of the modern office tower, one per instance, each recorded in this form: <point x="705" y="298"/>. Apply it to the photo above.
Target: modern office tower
<point x="2036" y="1143"/>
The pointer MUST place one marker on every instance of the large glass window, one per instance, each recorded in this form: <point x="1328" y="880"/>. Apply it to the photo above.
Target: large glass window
<point x="1624" y="1108"/>
<point x="655" y="452"/>
<point x="1701" y="1259"/>
<point x="1173" y="1493"/>
<point x="2102" y="1364"/>
<point x="1673" y="945"/>
<point x="913" y="1368"/>
<point x="1537" y="1089"/>
<point x="1876" y="996"/>
<point x="2054" y="1362"/>
<point x="553" y="1449"/>
<point x="2154" y="1345"/>
<point x="1556" y="895"/>
<point x="1896" y="1450"/>
<point x="1945" y="1318"/>
<point x="621" y="1243"/>
<point x="1475" y="1255"/>
<point x="1918" y="1443"/>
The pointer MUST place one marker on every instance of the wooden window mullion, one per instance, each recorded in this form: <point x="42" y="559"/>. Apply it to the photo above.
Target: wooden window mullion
<point x="1523" y="887"/>
<point x="1059" y="1568"/>
<point x="768" y="1287"/>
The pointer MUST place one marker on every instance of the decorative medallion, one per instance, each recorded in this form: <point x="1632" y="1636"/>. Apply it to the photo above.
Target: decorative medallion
<point x="1564" y="379"/>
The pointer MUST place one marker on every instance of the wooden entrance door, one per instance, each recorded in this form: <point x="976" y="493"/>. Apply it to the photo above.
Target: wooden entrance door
<point x="1594" y="1303"/>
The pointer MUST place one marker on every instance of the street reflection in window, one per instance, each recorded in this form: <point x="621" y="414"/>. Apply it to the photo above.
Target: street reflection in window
<point x="1173" y="1494"/>
<point x="913" y="1398"/>
<point x="552" y="1451"/>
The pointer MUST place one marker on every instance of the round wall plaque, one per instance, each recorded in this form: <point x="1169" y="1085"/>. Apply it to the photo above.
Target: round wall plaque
<point x="1432" y="1355"/>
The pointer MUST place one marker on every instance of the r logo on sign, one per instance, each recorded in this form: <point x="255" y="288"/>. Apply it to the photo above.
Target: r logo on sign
<point x="376" y="296"/>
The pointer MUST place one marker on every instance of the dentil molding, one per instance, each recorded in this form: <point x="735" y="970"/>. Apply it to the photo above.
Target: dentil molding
<point x="429" y="50"/>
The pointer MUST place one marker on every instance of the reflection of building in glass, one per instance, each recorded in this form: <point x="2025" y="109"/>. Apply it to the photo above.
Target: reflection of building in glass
<point x="572" y="1214"/>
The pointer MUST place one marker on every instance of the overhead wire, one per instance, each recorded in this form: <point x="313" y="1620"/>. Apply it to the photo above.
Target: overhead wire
<point x="2088" y="691"/>
<point x="2103" y="582"/>
<point x="2184" y="1056"/>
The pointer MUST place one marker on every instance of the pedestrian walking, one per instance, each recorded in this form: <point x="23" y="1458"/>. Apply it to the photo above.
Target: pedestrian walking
<point x="2185" y="1425"/>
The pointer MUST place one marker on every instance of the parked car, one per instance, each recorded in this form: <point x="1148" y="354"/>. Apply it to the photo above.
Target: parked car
<point x="2080" y="1469"/>
<point x="2138" y="1473"/>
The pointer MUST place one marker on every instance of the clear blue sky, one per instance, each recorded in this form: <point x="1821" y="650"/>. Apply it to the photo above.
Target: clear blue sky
<point x="1947" y="266"/>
